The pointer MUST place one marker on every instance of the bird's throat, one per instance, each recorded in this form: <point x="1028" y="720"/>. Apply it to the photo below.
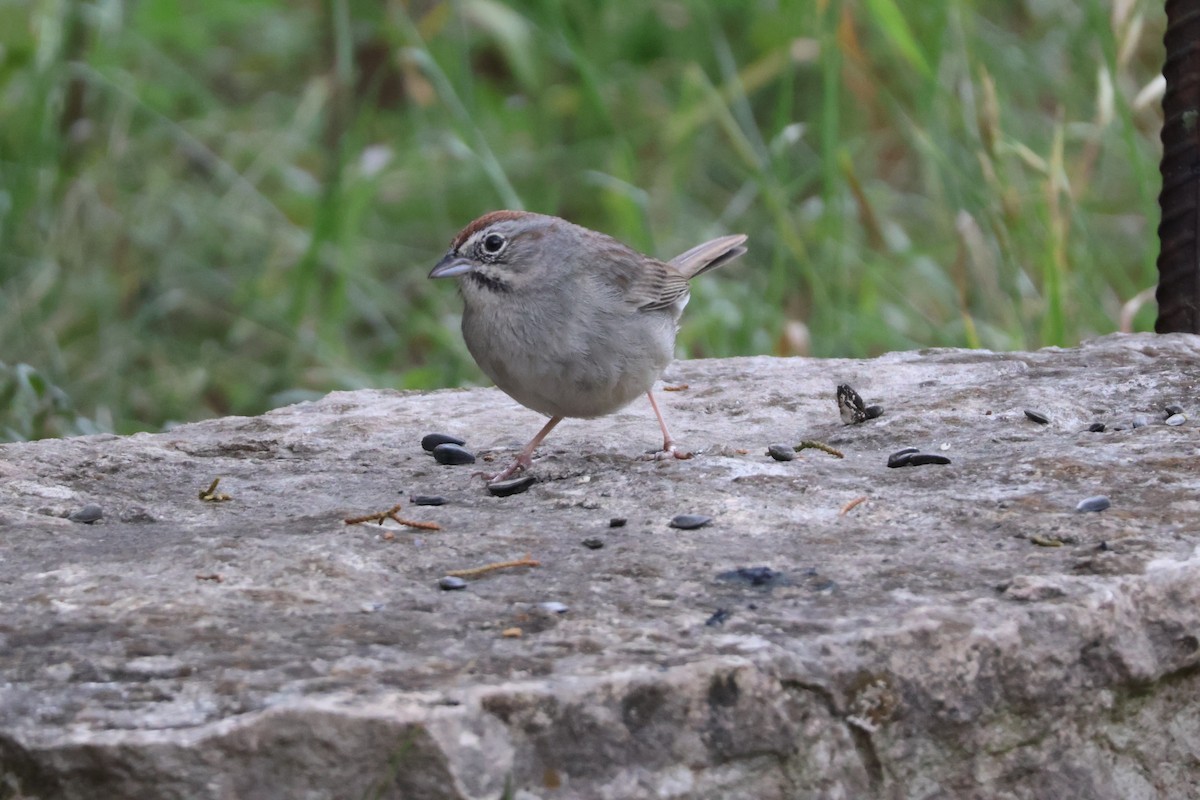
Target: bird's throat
<point x="487" y="282"/>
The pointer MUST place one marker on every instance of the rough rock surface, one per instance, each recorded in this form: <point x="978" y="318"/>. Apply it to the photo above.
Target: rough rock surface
<point x="962" y="633"/>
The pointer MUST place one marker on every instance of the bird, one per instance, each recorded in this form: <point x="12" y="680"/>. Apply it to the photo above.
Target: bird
<point x="570" y="322"/>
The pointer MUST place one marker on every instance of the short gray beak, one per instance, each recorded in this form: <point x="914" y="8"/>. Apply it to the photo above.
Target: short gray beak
<point x="450" y="266"/>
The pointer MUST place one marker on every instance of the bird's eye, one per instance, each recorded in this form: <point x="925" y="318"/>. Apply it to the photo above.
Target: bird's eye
<point x="493" y="243"/>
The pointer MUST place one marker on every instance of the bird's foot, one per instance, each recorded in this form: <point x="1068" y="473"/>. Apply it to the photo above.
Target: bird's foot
<point x="669" y="451"/>
<point x="515" y="468"/>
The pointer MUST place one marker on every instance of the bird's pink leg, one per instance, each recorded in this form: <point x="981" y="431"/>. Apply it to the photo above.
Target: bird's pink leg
<point x="525" y="459"/>
<point x="668" y="448"/>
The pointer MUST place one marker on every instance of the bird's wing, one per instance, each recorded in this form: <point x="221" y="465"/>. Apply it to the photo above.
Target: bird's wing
<point x="651" y="285"/>
<point x="657" y="285"/>
<point x="645" y="284"/>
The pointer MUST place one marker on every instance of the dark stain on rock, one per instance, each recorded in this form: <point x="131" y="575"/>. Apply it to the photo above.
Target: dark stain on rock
<point x="723" y="690"/>
<point x="640" y="706"/>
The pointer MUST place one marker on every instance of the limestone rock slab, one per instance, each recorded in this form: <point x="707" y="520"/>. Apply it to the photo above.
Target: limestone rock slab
<point x="962" y="632"/>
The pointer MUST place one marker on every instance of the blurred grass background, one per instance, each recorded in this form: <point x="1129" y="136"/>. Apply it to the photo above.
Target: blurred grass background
<point x="216" y="208"/>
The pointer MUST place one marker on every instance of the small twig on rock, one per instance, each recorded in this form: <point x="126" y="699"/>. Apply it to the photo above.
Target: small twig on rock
<point x="475" y="572"/>
<point x="378" y="517"/>
<point x="212" y="495"/>
<point x="393" y="514"/>
<point x="414" y="523"/>
<point x="852" y="504"/>
<point x="824" y="448"/>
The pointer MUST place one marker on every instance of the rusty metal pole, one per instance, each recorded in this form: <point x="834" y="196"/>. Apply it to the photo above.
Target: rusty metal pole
<point x="1179" y="231"/>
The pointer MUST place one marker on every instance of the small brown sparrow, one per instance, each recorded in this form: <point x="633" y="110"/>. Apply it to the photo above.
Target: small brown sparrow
<point x="567" y="321"/>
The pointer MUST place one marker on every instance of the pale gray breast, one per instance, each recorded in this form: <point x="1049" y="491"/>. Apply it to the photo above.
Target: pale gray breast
<point x="585" y="360"/>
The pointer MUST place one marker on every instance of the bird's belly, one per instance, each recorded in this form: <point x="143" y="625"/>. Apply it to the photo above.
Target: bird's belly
<point x="570" y="391"/>
<point x="573" y="376"/>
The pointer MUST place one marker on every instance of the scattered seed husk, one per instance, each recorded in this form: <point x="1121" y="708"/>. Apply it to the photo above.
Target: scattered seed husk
<point x="512" y="486"/>
<point x="427" y="500"/>
<point x="754" y="576"/>
<point x="1097" y="503"/>
<point x="781" y="452"/>
<point x="851" y="408"/>
<point x="1176" y="420"/>
<point x="920" y="459"/>
<point x="1045" y="541"/>
<point x="453" y="455"/>
<point x="1172" y="410"/>
<point x="1037" y="416"/>
<point x="593" y="543"/>
<point x="718" y="617"/>
<point x="617" y="522"/>
<point x="554" y="607"/>
<point x="912" y="457"/>
<point x="1096" y="427"/>
<point x="1140" y="421"/>
<point x="850" y="405"/>
<point x="431" y="440"/>
<point x="689" y="522"/>
<point x="449" y="583"/>
<point x="87" y="515"/>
